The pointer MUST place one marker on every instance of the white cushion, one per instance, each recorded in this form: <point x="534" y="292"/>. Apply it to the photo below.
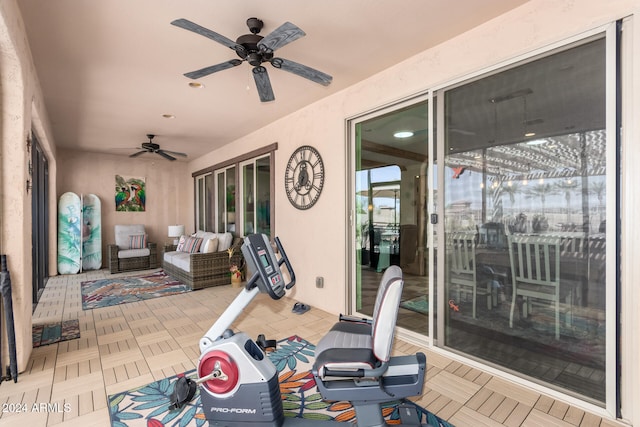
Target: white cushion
<point x="199" y="233"/>
<point x="182" y="261"/>
<point x="133" y="253"/>
<point x="206" y="236"/>
<point x="224" y="241"/>
<point x="168" y="256"/>
<point x="123" y="232"/>
<point x="210" y="246"/>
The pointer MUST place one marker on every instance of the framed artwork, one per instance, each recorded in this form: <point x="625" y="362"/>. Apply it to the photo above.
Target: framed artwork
<point x="130" y="194"/>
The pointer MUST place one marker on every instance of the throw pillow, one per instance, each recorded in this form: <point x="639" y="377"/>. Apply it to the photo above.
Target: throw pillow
<point x="138" y="241"/>
<point x="192" y="245"/>
<point x="226" y="239"/>
<point x="181" y="242"/>
<point x="210" y="246"/>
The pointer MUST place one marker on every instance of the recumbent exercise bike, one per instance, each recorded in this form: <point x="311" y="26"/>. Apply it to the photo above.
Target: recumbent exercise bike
<point x="239" y="384"/>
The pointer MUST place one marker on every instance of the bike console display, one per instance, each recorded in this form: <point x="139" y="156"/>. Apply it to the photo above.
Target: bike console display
<point x="262" y="262"/>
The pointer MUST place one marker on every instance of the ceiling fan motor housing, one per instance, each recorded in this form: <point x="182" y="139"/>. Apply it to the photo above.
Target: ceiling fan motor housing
<point x="150" y="146"/>
<point x="252" y="53"/>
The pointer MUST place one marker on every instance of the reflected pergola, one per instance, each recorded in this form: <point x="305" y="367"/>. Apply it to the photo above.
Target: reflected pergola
<point x="576" y="154"/>
<point x="538" y="168"/>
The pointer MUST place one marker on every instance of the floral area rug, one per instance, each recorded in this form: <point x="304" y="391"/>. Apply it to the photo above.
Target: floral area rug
<point x="294" y="357"/>
<point x="122" y="290"/>
<point x="55" y="332"/>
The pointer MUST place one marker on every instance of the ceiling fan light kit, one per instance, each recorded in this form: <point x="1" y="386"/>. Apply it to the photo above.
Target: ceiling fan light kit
<point x="257" y="50"/>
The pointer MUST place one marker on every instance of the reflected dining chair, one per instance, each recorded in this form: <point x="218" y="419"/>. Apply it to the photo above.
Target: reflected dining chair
<point x="461" y="250"/>
<point x="535" y="271"/>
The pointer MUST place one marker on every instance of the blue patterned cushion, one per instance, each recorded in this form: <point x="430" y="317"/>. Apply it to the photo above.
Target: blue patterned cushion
<point x="138" y="241"/>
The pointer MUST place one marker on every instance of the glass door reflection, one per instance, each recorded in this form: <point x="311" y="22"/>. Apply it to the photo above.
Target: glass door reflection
<point x="390" y="210"/>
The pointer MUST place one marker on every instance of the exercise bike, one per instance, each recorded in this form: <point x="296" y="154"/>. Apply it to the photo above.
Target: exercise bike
<point x="239" y="384"/>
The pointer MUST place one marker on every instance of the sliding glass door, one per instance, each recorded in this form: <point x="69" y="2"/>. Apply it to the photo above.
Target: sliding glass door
<point x="389" y="184"/>
<point x="524" y="181"/>
<point x="501" y="215"/>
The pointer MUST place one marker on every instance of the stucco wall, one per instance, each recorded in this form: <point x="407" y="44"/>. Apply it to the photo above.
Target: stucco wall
<point x="21" y="109"/>
<point x="169" y="190"/>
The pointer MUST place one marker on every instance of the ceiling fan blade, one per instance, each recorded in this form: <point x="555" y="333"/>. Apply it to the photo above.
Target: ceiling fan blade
<point x="165" y="155"/>
<point x="281" y="36"/>
<point x="302" y="71"/>
<point x="263" y="84"/>
<point x="138" y="153"/>
<point x="175" y="153"/>
<point x="198" y="29"/>
<point x="213" y="69"/>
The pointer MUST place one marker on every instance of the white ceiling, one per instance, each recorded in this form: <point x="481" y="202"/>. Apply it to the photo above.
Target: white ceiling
<point x="110" y="69"/>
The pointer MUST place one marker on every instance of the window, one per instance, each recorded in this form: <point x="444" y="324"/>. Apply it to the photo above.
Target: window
<point x="204" y="202"/>
<point x="256" y="193"/>
<point x="236" y="196"/>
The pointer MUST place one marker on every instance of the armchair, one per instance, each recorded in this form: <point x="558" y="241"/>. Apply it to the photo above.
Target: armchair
<point x="131" y="250"/>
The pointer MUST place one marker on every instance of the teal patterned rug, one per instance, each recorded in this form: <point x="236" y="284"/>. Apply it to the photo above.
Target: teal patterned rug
<point x="418" y="304"/>
<point x="294" y="357"/>
<point x="122" y="290"/>
<point x="55" y="332"/>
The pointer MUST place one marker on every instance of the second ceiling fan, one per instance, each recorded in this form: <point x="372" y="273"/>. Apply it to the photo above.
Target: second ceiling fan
<point x="257" y="50"/>
<point x="152" y="147"/>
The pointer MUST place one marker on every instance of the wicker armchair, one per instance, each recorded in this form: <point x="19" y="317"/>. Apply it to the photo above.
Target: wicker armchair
<point x="205" y="269"/>
<point x="123" y="258"/>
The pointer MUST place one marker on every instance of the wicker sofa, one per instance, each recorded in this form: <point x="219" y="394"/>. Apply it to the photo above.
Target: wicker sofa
<point x="203" y="269"/>
<point x="122" y="257"/>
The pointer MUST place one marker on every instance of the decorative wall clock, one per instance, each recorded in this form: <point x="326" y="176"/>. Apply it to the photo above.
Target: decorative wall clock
<point x="304" y="177"/>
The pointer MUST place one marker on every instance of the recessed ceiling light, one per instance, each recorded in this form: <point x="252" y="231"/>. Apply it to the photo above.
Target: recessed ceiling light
<point x="168" y="116"/>
<point x="530" y="134"/>
<point x="196" y="85"/>
<point x="403" y="134"/>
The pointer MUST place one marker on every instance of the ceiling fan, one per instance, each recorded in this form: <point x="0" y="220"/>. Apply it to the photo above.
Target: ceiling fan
<point x="151" y="147"/>
<point x="257" y="50"/>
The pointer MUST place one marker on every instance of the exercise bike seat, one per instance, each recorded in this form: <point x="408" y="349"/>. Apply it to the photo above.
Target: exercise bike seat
<point x="361" y="365"/>
<point x="357" y="333"/>
<point x="342" y="350"/>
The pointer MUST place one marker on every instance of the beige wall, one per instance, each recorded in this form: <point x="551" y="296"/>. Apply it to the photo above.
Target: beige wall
<point x="316" y="240"/>
<point x="169" y="190"/>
